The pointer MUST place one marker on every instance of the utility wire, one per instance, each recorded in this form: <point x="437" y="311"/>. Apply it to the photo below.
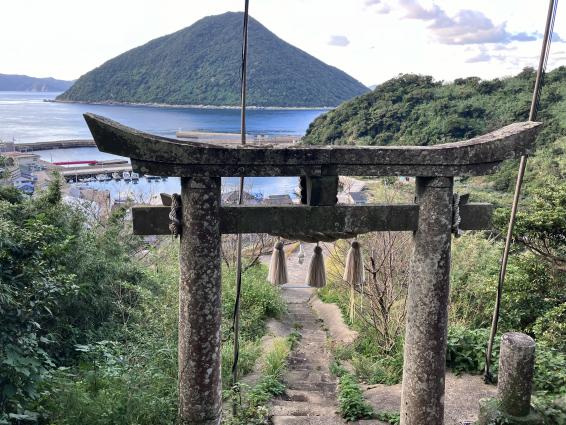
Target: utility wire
<point x="236" y="316"/>
<point x="535" y="104"/>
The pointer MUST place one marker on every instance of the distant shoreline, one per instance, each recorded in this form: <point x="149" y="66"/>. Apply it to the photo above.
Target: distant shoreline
<point x="167" y="105"/>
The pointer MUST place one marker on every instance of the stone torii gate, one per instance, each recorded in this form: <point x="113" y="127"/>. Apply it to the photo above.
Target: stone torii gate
<point x="432" y="218"/>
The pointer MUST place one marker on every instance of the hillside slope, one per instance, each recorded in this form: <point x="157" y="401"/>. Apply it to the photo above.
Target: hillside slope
<point x="416" y="110"/>
<point x="24" y="83"/>
<point x="200" y="65"/>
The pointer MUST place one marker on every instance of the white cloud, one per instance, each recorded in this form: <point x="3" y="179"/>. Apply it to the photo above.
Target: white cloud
<point x="480" y="57"/>
<point x="464" y="27"/>
<point x="383" y="42"/>
<point x="338" y="40"/>
<point x="379" y="6"/>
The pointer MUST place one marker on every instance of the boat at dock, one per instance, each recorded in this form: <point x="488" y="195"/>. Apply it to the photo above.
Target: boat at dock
<point x="103" y="177"/>
<point x="116" y="176"/>
<point x="126" y="176"/>
<point x="149" y="177"/>
<point x="135" y="177"/>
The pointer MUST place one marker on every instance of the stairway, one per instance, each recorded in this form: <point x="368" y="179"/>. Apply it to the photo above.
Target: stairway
<point x="310" y="397"/>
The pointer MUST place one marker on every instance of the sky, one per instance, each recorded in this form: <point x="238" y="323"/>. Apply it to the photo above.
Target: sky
<point x="372" y="40"/>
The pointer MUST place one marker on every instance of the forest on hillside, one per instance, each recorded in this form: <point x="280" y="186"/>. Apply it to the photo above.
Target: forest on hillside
<point x="200" y="65"/>
<point x="418" y="110"/>
<point x="88" y="311"/>
<point x="32" y="84"/>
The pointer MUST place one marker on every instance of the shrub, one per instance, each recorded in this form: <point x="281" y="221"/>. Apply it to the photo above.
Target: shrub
<point x="249" y="353"/>
<point x="383" y="369"/>
<point x="466" y="350"/>
<point x="351" y="399"/>
<point x="276" y="360"/>
<point x="466" y="353"/>
<point x="62" y="282"/>
<point x="132" y="379"/>
<point x="531" y="287"/>
<point x="550" y="328"/>
<point x="553" y="410"/>
<point x="393" y="418"/>
<point x="259" y="301"/>
<point x="251" y="402"/>
<point x="110" y="388"/>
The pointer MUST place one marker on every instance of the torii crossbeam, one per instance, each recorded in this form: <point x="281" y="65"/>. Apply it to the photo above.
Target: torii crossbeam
<point x="431" y="217"/>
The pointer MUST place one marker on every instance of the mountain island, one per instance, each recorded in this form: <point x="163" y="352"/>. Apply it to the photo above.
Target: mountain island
<point x="200" y="65"/>
<point x="24" y="83"/>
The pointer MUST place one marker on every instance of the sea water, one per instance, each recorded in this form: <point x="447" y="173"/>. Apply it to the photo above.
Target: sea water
<point x="32" y="117"/>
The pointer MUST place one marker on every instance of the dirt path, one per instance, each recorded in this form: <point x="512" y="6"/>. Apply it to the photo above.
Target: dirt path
<point x="462" y="398"/>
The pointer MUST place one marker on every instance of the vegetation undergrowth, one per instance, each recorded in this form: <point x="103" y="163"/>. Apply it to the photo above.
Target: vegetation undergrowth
<point x="351" y="402"/>
<point x="252" y="402"/>
<point x="88" y="314"/>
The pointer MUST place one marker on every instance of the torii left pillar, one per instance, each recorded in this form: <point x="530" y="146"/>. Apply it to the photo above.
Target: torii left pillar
<point x="200" y="383"/>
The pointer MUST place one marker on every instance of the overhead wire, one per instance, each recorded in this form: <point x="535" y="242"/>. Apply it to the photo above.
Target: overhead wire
<point x="535" y="105"/>
<point x="236" y="312"/>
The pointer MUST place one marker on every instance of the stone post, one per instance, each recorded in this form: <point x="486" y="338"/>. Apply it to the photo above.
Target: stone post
<point x="514" y="384"/>
<point x="422" y="399"/>
<point x="516" y="368"/>
<point x="200" y="386"/>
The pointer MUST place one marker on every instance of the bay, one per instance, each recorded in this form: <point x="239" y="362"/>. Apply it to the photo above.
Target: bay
<point x="32" y="117"/>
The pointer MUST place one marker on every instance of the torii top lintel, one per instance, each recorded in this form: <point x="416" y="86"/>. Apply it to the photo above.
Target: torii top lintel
<point x="152" y="154"/>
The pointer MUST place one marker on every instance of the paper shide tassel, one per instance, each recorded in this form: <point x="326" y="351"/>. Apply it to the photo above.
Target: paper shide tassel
<point x="301" y="254"/>
<point x="354" y="273"/>
<point x="277" y="267"/>
<point x="316" y="276"/>
<point x="354" y="269"/>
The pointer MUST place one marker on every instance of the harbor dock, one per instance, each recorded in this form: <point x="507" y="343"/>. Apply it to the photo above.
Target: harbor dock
<point x="40" y="146"/>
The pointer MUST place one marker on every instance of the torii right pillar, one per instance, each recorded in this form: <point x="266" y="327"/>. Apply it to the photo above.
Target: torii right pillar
<point x="422" y="400"/>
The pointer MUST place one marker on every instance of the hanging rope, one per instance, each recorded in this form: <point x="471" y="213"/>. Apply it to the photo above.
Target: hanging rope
<point x="175" y="223"/>
<point x="236" y="316"/>
<point x="456" y="218"/>
<point x="545" y="50"/>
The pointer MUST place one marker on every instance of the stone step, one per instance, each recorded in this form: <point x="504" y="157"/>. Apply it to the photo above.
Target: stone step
<point x="313" y="346"/>
<point x="304" y="355"/>
<point x="304" y="322"/>
<point x="313" y="336"/>
<point x="298" y="408"/>
<point x="326" y="388"/>
<point x="307" y="343"/>
<point x="301" y="360"/>
<point x="303" y="319"/>
<point x="301" y="310"/>
<point x="315" y="331"/>
<point x="309" y="376"/>
<point x="307" y="420"/>
<point x="303" y="306"/>
<point x="308" y="367"/>
<point x="315" y="397"/>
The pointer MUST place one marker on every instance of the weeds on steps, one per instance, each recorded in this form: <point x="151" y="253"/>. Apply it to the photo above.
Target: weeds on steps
<point x="253" y="401"/>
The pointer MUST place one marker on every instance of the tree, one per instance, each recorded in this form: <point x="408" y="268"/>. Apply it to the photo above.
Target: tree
<point x="541" y="227"/>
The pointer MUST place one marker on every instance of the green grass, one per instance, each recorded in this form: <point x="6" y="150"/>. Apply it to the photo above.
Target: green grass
<point x="251" y="402"/>
<point x="351" y="400"/>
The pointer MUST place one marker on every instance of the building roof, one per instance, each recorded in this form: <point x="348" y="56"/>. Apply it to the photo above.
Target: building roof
<point x="20" y="155"/>
<point x="279" y="200"/>
<point x="358" y="197"/>
<point x="232" y="197"/>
